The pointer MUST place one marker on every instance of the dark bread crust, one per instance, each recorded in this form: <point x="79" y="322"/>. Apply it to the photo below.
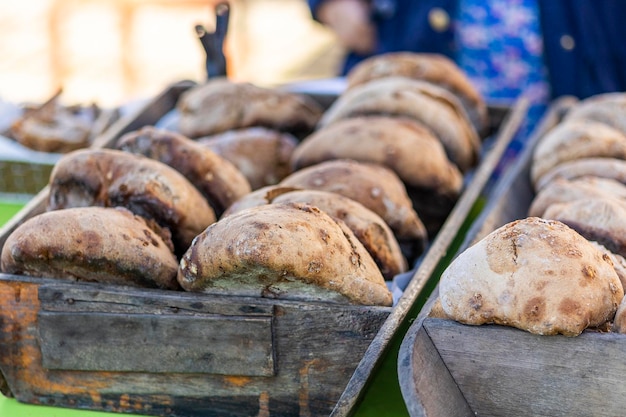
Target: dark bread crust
<point x="96" y="244"/>
<point x="219" y="181"/>
<point x="149" y="188"/>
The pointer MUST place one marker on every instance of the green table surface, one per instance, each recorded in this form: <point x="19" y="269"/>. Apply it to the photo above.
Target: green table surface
<point x="382" y="397"/>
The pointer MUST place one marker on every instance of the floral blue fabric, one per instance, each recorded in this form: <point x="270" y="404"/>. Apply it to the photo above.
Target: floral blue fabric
<point x="500" y="48"/>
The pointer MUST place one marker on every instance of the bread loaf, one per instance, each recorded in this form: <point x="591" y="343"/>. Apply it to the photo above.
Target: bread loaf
<point x="611" y="168"/>
<point x="291" y="251"/>
<point x="573" y="140"/>
<point x="149" y="188"/>
<point x="219" y="181"/>
<point x="367" y="226"/>
<point x="94" y="244"/>
<point x="262" y="155"/>
<point x="435" y="68"/>
<point x="433" y="106"/>
<point x="403" y="145"/>
<point x="534" y="274"/>
<point x="221" y="104"/>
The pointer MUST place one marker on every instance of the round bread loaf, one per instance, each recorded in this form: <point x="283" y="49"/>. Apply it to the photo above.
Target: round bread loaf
<point x="619" y="323"/>
<point x="401" y="144"/>
<point x="533" y="274"/>
<point x="291" y="251"/>
<point x="561" y="190"/>
<point x="601" y="219"/>
<point x="611" y="168"/>
<point x="219" y="181"/>
<point x="433" y="106"/>
<point x="95" y="244"/>
<point x="435" y="68"/>
<point x="367" y="226"/>
<point x="376" y="187"/>
<point x="607" y="108"/>
<point x="262" y="155"/>
<point x="573" y="140"/>
<point x="149" y="188"/>
<point x="221" y="104"/>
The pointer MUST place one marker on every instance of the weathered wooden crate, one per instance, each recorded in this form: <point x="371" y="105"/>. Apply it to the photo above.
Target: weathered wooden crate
<point x="449" y="369"/>
<point x="166" y="353"/>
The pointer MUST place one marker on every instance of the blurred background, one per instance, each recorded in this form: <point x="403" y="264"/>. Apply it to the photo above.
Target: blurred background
<point x="112" y="52"/>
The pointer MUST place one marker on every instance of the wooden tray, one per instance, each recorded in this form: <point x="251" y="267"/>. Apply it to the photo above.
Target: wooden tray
<point x="113" y="348"/>
<point x="449" y="369"/>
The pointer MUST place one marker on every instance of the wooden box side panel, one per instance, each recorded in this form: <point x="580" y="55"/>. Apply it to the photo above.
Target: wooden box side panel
<point x="310" y="341"/>
<point x="427" y="387"/>
<point x="504" y="371"/>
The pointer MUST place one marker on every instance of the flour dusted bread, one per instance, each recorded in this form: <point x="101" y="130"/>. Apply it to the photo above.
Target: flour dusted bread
<point x="435" y="68"/>
<point x="431" y="105"/>
<point x="371" y="230"/>
<point x="607" y="108"/>
<point x="219" y="181"/>
<point x="149" y="188"/>
<point x="612" y="168"/>
<point x="573" y="140"/>
<point x="534" y="274"/>
<point x="262" y="155"/>
<point x="291" y="251"/>
<point x="221" y="104"/>
<point x="561" y="190"/>
<point x="601" y="219"/>
<point x="403" y="145"/>
<point x="376" y="187"/>
<point x="95" y="244"/>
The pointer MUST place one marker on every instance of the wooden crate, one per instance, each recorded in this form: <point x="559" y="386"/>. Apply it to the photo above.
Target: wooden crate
<point x="156" y="352"/>
<point x="449" y="369"/>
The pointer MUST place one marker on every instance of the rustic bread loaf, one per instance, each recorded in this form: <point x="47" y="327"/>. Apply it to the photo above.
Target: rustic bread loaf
<point x="618" y="261"/>
<point x="433" y="106"/>
<point x="96" y="244"/>
<point x="221" y="104"/>
<point x="291" y="251"/>
<point x="435" y="68"/>
<point x="619" y="323"/>
<point x="376" y="187"/>
<point x="561" y="190"/>
<point x="585" y="167"/>
<point x="261" y="154"/>
<point x="576" y="139"/>
<point x="149" y="188"/>
<point x="607" y="108"/>
<point x="601" y="219"/>
<point x="534" y="274"/>
<point x="403" y="145"/>
<point x="371" y="230"/>
<point x="219" y="181"/>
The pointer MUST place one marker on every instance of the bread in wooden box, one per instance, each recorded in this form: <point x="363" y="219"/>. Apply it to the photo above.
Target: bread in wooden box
<point x="534" y="274"/>
<point x="149" y="188"/>
<point x="93" y="244"/>
<point x="576" y="139"/>
<point x="290" y="251"/>
<point x="376" y="187"/>
<point x="435" y="68"/>
<point x="221" y="104"/>
<point x="367" y="226"/>
<point x="433" y="106"/>
<point x="261" y="154"/>
<point x="219" y="181"/>
<point x="401" y="144"/>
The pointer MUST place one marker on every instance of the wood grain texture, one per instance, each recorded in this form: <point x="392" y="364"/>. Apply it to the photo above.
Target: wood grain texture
<point x="315" y="348"/>
<point x="504" y="371"/>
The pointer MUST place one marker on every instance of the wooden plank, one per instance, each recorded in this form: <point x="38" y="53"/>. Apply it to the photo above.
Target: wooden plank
<point x="428" y="388"/>
<point x="504" y="371"/>
<point x="133" y="342"/>
<point x="311" y="342"/>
